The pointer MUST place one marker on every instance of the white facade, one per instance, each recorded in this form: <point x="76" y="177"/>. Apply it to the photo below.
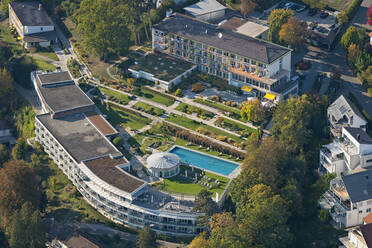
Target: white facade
<point x="345" y="154"/>
<point x="36" y="29"/>
<point x="354" y="239"/>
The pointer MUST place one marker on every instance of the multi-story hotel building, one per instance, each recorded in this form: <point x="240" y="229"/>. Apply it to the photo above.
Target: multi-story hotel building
<point x="77" y="138"/>
<point x="262" y="67"/>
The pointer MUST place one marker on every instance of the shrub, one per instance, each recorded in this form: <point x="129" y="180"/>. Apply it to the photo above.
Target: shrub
<point x="369" y="90"/>
<point x="197" y="87"/>
<point x="178" y="92"/>
<point x="118" y="141"/>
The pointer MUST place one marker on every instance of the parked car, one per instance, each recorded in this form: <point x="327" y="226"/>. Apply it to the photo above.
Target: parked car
<point x="300" y="8"/>
<point x="312" y="12"/>
<point x="324" y="15"/>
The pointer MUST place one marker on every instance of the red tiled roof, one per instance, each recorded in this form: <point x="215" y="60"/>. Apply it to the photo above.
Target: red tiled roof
<point x="368" y="219"/>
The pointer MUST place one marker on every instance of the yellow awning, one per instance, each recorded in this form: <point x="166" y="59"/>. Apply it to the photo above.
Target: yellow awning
<point x="19" y="38"/>
<point x="269" y="96"/>
<point x="247" y="88"/>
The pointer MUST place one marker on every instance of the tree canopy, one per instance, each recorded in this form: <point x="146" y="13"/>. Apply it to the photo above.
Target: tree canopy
<point x="277" y="18"/>
<point x="293" y="32"/>
<point x="252" y="111"/>
<point x="146" y="238"/>
<point x="354" y="35"/>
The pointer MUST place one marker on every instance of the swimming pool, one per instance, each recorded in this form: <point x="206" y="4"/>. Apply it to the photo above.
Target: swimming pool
<point x="204" y="161"/>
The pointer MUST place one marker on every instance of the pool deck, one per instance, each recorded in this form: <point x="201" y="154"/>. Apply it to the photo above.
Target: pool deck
<point x="231" y="175"/>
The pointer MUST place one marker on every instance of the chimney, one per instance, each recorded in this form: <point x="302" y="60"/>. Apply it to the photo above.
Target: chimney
<point x="40" y="6"/>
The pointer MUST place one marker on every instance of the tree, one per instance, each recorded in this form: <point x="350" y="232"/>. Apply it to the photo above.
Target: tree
<point x="336" y="74"/>
<point x="366" y="76"/>
<point x="20" y="149"/>
<point x="6" y="82"/>
<point x="4" y="154"/>
<point x="219" y="120"/>
<point x="252" y="111"/>
<point x="200" y="241"/>
<point x="104" y="26"/>
<point x="246" y="7"/>
<point x="35" y="161"/>
<point x="223" y="230"/>
<point x="369" y="15"/>
<point x="354" y="35"/>
<point x="276" y="19"/>
<point x="197" y="87"/>
<point x="353" y="53"/>
<point x="205" y="204"/>
<point x="293" y="32"/>
<point x="19" y="184"/>
<point x="26" y="228"/>
<point x="342" y="18"/>
<point x="262" y="218"/>
<point x="5" y="53"/>
<point x="146" y="238"/>
<point x="118" y="141"/>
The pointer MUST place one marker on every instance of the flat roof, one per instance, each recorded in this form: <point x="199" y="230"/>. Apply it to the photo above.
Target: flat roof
<point x="227" y="40"/>
<point x="252" y="29"/>
<point x="59" y="93"/>
<point x="80" y="138"/>
<point x="40" y="37"/>
<point x="29" y="14"/>
<point x="100" y="123"/>
<point x="204" y="7"/>
<point x="106" y="169"/>
<point x="233" y="23"/>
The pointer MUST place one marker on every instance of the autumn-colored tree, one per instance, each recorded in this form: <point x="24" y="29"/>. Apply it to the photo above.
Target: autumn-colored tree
<point x="354" y="35"/>
<point x="252" y="111"/>
<point x="353" y="53"/>
<point x="246" y="7"/>
<point x="19" y="184"/>
<point x="223" y="230"/>
<point x="293" y="32"/>
<point x="342" y="18"/>
<point x="219" y="120"/>
<point x="197" y="87"/>
<point x="200" y="241"/>
<point x="369" y="15"/>
<point x="277" y="18"/>
<point x="20" y="149"/>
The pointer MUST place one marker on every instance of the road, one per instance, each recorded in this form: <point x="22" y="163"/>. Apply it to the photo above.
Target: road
<point x="325" y="61"/>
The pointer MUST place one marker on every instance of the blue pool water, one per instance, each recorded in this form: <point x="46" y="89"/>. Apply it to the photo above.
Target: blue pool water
<point x="204" y="161"/>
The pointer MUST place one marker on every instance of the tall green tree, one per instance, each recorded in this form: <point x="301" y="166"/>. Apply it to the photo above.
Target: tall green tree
<point x="104" y="25"/>
<point x="146" y="238"/>
<point x="354" y="35"/>
<point x="26" y="228"/>
<point x="4" y="154"/>
<point x="277" y="18"/>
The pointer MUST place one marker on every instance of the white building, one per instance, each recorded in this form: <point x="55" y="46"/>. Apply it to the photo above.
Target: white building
<point x="206" y="10"/>
<point x="76" y="137"/>
<point x="263" y="67"/>
<point x="163" y="164"/>
<point x="32" y="23"/>
<point x="343" y="113"/>
<point x="349" y="198"/>
<point x="358" y="237"/>
<point x="352" y="151"/>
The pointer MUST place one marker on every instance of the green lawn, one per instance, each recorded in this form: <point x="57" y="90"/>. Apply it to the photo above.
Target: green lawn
<point x="147" y="108"/>
<point x="194" y="125"/>
<point x="50" y="55"/>
<point x="238" y="127"/>
<point x="6" y="35"/>
<point x="218" y="106"/>
<point x="181" y="185"/>
<point x="189" y="109"/>
<point x="115" y="96"/>
<point x="124" y="117"/>
<point x="42" y="64"/>
<point x="156" y="96"/>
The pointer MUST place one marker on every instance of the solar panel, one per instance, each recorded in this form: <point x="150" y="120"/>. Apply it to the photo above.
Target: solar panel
<point x="342" y="109"/>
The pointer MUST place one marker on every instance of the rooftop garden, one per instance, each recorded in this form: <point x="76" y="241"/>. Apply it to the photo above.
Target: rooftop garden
<point x="147" y="108"/>
<point x="115" y="96"/>
<point x="192" y="182"/>
<point x="161" y="66"/>
<point x="235" y="126"/>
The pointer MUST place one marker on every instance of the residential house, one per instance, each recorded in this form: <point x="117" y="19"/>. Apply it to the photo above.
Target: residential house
<point x="263" y="68"/>
<point x="350" y="152"/>
<point x="343" y="113"/>
<point x="206" y="10"/>
<point x="349" y="198"/>
<point x="34" y="26"/>
<point x="358" y="237"/>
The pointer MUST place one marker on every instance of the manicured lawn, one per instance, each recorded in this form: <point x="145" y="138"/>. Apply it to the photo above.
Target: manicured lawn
<point x="182" y="185"/>
<point x="145" y="48"/>
<point x="238" y="127"/>
<point x="119" y="97"/>
<point x="189" y="109"/>
<point x="194" y="125"/>
<point x="149" y="109"/>
<point x="50" y="55"/>
<point x="157" y="97"/>
<point x="218" y="106"/>
<point x="124" y="117"/>
<point x="42" y="64"/>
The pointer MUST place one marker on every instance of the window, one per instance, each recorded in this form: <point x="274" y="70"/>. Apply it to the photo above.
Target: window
<point x="360" y="211"/>
<point x="369" y="161"/>
<point x="41" y="28"/>
<point x="368" y="210"/>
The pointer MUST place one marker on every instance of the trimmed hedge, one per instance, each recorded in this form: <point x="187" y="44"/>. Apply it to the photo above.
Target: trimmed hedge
<point x="353" y="7"/>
